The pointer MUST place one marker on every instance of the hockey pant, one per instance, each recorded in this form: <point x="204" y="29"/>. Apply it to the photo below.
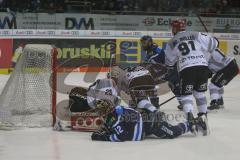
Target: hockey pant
<point x="224" y="76"/>
<point x="167" y="131"/>
<point x="174" y="83"/>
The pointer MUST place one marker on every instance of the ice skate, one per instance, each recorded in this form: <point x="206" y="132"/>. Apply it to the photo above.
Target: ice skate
<point x="216" y="104"/>
<point x="192" y="123"/>
<point x="202" y="124"/>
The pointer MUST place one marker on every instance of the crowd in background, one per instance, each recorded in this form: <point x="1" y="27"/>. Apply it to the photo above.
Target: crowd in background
<point x="118" y="6"/>
<point x="33" y="5"/>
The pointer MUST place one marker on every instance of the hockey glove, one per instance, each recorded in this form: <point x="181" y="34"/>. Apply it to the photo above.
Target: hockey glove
<point x="100" y="136"/>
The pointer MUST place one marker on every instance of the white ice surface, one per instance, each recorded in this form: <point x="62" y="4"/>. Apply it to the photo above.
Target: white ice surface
<point x="45" y="144"/>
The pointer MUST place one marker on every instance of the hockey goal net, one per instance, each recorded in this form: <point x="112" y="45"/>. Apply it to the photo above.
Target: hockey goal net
<point x="29" y="98"/>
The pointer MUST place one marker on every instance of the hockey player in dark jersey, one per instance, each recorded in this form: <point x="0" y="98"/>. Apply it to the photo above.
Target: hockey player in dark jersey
<point x="156" y="55"/>
<point x="127" y="124"/>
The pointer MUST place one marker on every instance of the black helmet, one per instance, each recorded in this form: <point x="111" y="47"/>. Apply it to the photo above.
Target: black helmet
<point x="146" y="42"/>
<point x="146" y="38"/>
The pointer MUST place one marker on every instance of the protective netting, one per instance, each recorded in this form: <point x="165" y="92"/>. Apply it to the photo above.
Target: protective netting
<point x="26" y="100"/>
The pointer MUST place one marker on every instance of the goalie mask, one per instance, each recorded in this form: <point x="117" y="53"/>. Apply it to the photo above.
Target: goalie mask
<point x="104" y="106"/>
<point x="103" y="89"/>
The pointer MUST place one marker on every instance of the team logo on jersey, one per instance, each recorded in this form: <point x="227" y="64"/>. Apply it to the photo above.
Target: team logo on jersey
<point x="173" y="44"/>
<point x="141" y="93"/>
<point x="203" y="87"/>
<point x="188" y="88"/>
<point x="223" y="82"/>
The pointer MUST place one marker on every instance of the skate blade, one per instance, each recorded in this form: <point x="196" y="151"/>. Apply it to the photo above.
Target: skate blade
<point x="206" y="130"/>
<point x="7" y="127"/>
<point x="216" y="110"/>
<point x="194" y="130"/>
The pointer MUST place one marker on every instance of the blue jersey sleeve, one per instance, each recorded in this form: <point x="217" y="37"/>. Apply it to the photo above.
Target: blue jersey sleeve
<point x="158" y="55"/>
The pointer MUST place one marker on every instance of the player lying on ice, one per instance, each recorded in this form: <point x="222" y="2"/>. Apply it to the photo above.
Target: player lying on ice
<point x="128" y="124"/>
<point x="144" y="121"/>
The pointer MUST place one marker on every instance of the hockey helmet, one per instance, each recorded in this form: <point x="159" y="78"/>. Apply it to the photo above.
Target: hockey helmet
<point x="178" y="25"/>
<point x="103" y="89"/>
<point x="146" y="38"/>
<point x="104" y="105"/>
<point x="146" y="42"/>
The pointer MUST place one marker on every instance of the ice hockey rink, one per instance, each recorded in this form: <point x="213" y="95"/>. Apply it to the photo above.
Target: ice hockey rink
<point x="45" y="144"/>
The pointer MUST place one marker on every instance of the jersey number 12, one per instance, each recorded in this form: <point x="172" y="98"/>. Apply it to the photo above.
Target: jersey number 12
<point x="118" y="129"/>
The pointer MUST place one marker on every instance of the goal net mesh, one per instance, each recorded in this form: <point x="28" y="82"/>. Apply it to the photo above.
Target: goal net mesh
<point x="27" y="98"/>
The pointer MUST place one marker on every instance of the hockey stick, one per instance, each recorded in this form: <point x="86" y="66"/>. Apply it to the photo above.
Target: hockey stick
<point x="167" y="101"/>
<point x="201" y="21"/>
<point x="110" y="66"/>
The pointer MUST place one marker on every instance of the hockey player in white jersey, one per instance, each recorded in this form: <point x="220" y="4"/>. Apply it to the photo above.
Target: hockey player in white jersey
<point x="224" y="68"/>
<point x="188" y="49"/>
<point x="84" y="101"/>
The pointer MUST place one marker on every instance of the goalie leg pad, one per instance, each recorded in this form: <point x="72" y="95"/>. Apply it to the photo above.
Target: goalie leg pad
<point x="86" y="121"/>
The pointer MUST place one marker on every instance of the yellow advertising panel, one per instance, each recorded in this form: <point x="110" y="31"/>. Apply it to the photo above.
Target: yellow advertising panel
<point x="223" y="45"/>
<point x="128" y="50"/>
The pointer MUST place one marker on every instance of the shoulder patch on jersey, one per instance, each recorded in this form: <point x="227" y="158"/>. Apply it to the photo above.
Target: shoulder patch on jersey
<point x="174" y="43"/>
<point x="217" y="42"/>
<point x="203" y="34"/>
<point x="158" y="50"/>
<point x="119" y="110"/>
